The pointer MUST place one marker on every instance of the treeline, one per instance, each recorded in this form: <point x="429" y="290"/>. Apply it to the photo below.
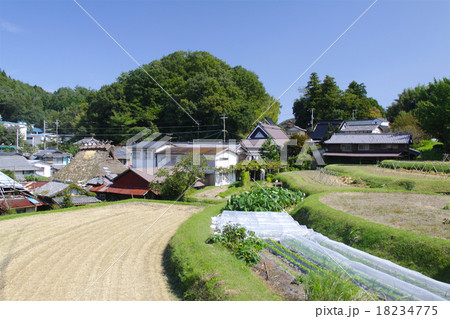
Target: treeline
<point x="423" y="111"/>
<point x="329" y="102"/>
<point x="22" y="102"/>
<point x="202" y="85"/>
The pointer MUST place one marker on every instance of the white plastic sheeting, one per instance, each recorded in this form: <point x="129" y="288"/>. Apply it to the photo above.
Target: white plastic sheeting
<point x="383" y="276"/>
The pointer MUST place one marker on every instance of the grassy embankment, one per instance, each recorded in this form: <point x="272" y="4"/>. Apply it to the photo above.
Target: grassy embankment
<point x="430" y="256"/>
<point x="392" y="182"/>
<point x="211" y="272"/>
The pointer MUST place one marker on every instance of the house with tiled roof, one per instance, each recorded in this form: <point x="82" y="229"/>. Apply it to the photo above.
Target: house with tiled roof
<point x="53" y="193"/>
<point x="261" y="133"/>
<point x="132" y="183"/>
<point x="367" y="147"/>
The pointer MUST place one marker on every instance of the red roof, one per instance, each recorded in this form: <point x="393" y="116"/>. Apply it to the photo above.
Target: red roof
<point x="31" y="185"/>
<point x="127" y="191"/>
<point x="23" y="202"/>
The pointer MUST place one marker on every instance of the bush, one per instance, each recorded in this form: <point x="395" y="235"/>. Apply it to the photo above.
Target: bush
<point x="264" y="199"/>
<point x="242" y="243"/>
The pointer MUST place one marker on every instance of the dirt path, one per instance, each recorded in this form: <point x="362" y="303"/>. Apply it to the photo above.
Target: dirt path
<point x="212" y="193"/>
<point x="106" y="253"/>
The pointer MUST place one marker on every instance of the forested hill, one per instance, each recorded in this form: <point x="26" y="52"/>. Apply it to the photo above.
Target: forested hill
<point x="204" y="87"/>
<point x="32" y="104"/>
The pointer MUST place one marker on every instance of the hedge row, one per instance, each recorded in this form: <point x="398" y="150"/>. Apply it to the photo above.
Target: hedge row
<point x="210" y="272"/>
<point x="425" y="166"/>
<point x="430" y="256"/>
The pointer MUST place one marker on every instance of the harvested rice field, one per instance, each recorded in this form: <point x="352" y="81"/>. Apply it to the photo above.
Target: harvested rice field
<point x="420" y="213"/>
<point x="104" y="253"/>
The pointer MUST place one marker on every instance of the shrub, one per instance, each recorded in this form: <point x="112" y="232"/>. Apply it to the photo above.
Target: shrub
<point x="264" y="199"/>
<point x="245" y="178"/>
<point x="242" y="243"/>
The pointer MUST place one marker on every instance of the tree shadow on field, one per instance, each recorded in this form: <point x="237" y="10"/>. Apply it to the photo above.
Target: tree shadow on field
<point x="172" y="274"/>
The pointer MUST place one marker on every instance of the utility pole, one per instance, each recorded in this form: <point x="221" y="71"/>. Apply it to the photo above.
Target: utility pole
<point x="312" y="119"/>
<point x="353" y="114"/>
<point x="224" y="117"/>
<point x="57" y="140"/>
<point x="45" y="138"/>
<point x="17" y="140"/>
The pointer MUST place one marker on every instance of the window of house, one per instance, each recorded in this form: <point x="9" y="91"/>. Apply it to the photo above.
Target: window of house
<point x="363" y="147"/>
<point x="346" y="148"/>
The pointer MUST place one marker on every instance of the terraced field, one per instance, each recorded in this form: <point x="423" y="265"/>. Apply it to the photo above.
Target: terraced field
<point x="104" y="253"/>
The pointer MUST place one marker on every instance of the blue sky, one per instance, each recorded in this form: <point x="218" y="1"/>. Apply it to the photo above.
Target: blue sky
<point x="396" y="45"/>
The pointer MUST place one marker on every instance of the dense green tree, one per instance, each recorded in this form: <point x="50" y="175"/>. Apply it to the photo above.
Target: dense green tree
<point x="203" y="87"/>
<point x="430" y="105"/>
<point x="330" y="102"/>
<point x="407" y="123"/>
<point x="181" y="177"/>
<point x="270" y="151"/>
<point x="7" y="137"/>
<point x="434" y="113"/>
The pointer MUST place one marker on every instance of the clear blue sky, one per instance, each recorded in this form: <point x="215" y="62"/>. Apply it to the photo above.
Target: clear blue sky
<point x="396" y="45"/>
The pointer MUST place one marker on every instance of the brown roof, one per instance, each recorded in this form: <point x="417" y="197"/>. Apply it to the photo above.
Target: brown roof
<point x="274" y="131"/>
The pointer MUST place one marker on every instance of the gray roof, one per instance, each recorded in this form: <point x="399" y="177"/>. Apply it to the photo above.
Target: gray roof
<point x="356" y="128"/>
<point x="78" y="200"/>
<point x="51" y="189"/>
<point x="52" y="152"/>
<point x="377" y="121"/>
<point x="121" y="152"/>
<point x="16" y="163"/>
<point x="8" y="182"/>
<point x="367" y="138"/>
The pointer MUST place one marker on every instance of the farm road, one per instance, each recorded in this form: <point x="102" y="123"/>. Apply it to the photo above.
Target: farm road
<point x="79" y="255"/>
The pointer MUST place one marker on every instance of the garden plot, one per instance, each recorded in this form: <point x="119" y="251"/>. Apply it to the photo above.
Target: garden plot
<point x="310" y="250"/>
<point x="103" y="253"/>
<point x="420" y="213"/>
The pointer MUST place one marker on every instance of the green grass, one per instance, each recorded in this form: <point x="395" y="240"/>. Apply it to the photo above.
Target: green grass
<point x="430" y="256"/>
<point x="5" y="217"/>
<point x="333" y="286"/>
<point x="421" y="185"/>
<point x="211" y="272"/>
<point x="431" y="151"/>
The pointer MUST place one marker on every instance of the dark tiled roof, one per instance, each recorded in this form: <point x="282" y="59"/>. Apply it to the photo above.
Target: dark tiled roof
<point x="16" y="163"/>
<point x="78" y="200"/>
<point x="51" y="189"/>
<point x="321" y="130"/>
<point x="367" y="138"/>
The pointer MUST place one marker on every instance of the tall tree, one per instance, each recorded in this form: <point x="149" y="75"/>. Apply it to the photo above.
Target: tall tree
<point x="330" y="102"/>
<point x="430" y="105"/>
